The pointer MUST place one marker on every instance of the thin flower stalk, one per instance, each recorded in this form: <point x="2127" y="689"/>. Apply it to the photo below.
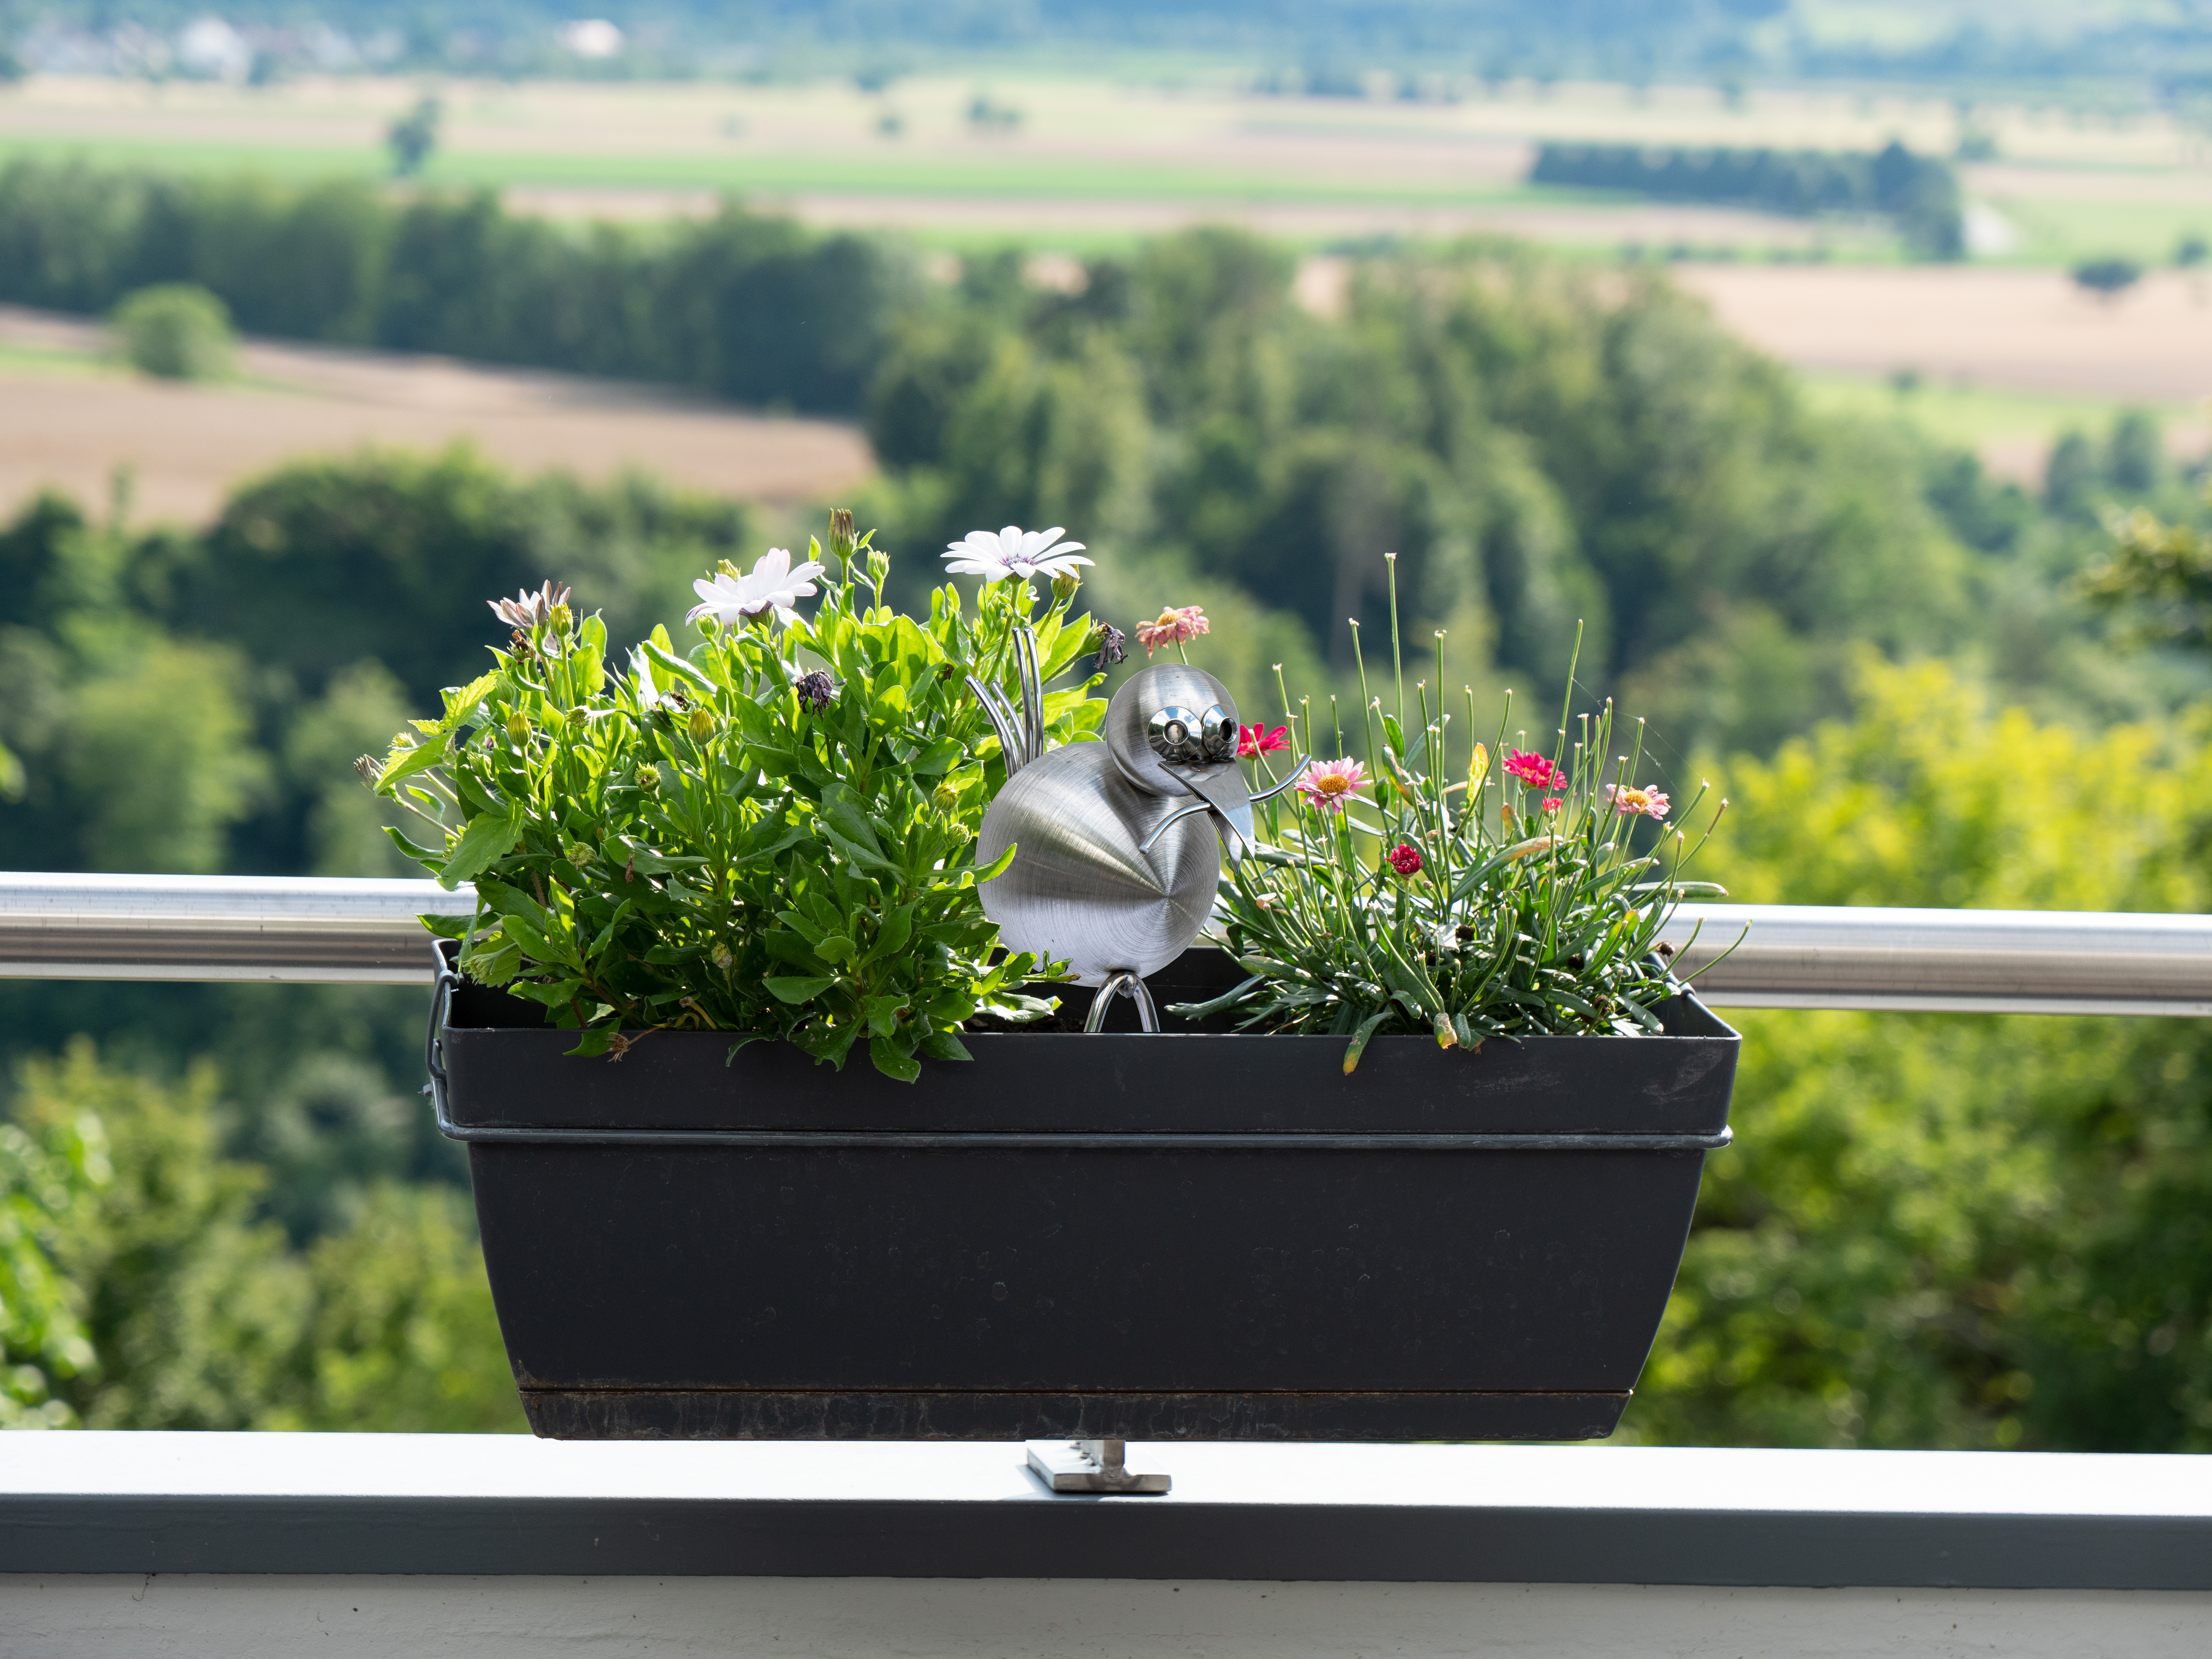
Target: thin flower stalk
<point x="1499" y="892"/>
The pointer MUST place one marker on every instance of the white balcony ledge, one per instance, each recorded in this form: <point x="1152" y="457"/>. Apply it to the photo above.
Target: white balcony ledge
<point x="245" y="1545"/>
<point x="491" y="1504"/>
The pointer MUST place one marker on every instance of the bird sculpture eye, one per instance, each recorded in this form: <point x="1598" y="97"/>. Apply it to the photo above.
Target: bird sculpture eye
<point x="1217" y="735"/>
<point x="1176" y="735"/>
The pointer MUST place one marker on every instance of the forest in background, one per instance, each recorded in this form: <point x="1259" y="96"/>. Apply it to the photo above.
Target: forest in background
<point x="1933" y="1231"/>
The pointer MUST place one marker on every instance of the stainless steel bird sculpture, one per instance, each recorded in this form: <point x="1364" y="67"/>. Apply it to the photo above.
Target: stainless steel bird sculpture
<point x="1117" y="863"/>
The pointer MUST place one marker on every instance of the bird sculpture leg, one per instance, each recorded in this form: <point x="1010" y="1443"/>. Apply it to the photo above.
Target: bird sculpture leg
<point x="1123" y="983"/>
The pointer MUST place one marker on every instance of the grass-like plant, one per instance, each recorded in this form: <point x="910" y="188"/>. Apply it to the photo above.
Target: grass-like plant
<point x="772" y="834"/>
<point x="1498" y="893"/>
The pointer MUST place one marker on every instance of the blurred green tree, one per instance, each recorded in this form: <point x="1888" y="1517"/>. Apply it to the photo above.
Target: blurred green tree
<point x="176" y="331"/>
<point x="1945" y="1231"/>
<point x="148" y="1294"/>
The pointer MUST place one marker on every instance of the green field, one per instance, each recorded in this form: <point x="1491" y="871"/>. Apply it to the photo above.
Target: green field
<point x="1982" y="418"/>
<point x="890" y="172"/>
<point x="2064" y="232"/>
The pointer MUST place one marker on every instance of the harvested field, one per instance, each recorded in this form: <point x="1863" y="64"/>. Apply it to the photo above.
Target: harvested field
<point x="2024" y="330"/>
<point x="69" y="418"/>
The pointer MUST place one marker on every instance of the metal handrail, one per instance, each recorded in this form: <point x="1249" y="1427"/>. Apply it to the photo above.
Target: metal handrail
<point x="311" y="929"/>
<point x="328" y="930"/>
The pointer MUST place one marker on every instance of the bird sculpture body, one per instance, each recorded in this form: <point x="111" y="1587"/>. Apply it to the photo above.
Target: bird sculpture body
<point x="1117" y="856"/>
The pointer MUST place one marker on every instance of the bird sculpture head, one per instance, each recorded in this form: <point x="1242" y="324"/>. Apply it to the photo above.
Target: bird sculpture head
<point x="1172" y="731"/>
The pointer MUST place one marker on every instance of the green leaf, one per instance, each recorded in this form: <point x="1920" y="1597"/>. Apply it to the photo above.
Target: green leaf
<point x="483" y="844"/>
<point x="896" y="929"/>
<point x="461" y="701"/>
<point x="842" y="814"/>
<point x="893" y="1061"/>
<point x="1397" y="739"/>
<point x="1368" y="1027"/>
<point x="938" y="757"/>
<point x="859" y="855"/>
<point x="836" y="948"/>
<point x="997" y="867"/>
<point x="559" y="995"/>
<point x="675" y="664"/>
<point x="420" y="854"/>
<point x="402" y="763"/>
<point x="943" y="1045"/>
<point x="795" y="989"/>
<point x="636" y="855"/>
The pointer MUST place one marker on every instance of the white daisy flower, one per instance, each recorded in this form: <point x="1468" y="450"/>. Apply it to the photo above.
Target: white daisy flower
<point x="772" y="585"/>
<point x="996" y="555"/>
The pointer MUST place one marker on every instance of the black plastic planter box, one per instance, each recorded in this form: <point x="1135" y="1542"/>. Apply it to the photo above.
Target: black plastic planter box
<point x="1119" y="1236"/>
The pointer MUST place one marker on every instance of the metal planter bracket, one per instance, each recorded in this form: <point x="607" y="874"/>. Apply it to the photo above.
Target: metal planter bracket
<point x="1100" y="1468"/>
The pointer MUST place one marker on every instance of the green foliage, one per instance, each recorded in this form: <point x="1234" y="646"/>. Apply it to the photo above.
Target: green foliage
<point x="2107" y="279"/>
<point x="177" y="330"/>
<point x="1425" y="915"/>
<point x="190" y="1303"/>
<point x="1947" y="1230"/>
<point x="168" y="718"/>
<point x="413" y="137"/>
<point x="743" y="304"/>
<point x="194" y="702"/>
<point x="1920" y="192"/>
<point x="2161" y="573"/>
<point x="733" y="839"/>
<point x="45" y="1180"/>
<point x="1542" y="446"/>
<point x="403" y="1335"/>
<point x="315" y="566"/>
<point x="157" y="1299"/>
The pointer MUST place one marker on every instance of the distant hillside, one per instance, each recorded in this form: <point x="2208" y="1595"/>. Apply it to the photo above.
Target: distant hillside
<point x="2167" y="45"/>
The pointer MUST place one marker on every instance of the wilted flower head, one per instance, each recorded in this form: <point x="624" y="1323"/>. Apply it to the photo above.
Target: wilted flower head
<point x="1652" y="802"/>
<point x="369" y="769"/>
<point x="1113" y="645"/>
<point x="996" y="555"/>
<point x="1532" y="769"/>
<point x="1172" y="627"/>
<point x="1406" y="858"/>
<point x="1327" y="785"/>
<point x="773" y="586"/>
<point x="1259" y="740"/>
<point x="815" y="690"/>
<point x="527" y="610"/>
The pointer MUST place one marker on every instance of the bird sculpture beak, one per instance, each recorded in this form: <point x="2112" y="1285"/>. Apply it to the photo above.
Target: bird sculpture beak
<point x="1224" y="791"/>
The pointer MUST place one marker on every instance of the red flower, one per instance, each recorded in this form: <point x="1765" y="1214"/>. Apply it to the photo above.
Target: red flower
<point x="1553" y="803"/>
<point x="1259" y="740"/>
<point x="1532" y="769"/>
<point x="1405" y="859"/>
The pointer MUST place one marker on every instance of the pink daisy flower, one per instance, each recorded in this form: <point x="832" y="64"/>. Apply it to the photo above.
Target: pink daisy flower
<point x="1259" y="740"/>
<point x="1172" y="627"/>
<point x="1327" y="785"/>
<point x="1532" y="769"/>
<point x="1652" y="802"/>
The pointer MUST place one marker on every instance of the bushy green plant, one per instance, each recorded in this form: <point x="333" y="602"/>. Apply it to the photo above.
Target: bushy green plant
<point x="46" y="1180"/>
<point x="772" y="836"/>
<point x="1419" y="910"/>
<point x="177" y="330"/>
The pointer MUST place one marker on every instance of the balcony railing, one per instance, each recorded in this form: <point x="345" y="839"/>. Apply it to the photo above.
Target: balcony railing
<point x="265" y="1544"/>
<point x="1771" y="956"/>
